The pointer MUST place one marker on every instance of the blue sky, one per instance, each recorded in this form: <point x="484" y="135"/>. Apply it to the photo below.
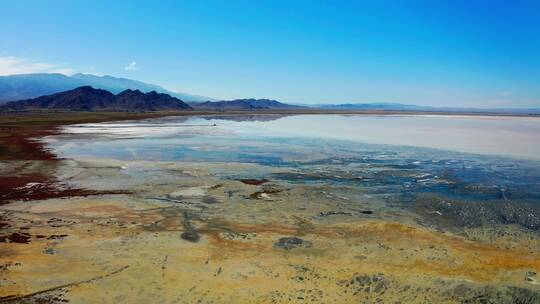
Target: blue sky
<point x="443" y="53"/>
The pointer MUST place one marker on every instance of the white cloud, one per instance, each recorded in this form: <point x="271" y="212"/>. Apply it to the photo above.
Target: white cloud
<point x="10" y="65"/>
<point x="132" y="66"/>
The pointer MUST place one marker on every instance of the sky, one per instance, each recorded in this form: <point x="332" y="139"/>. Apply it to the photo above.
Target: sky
<point x="439" y="53"/>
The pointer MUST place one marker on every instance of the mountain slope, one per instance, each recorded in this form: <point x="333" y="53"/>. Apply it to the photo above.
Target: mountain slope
<point x="117" y="85"/>
<point x="151" y="101"/>
<point x="17" y="87"/>
<point x="86" y="98"/>
<point x="243" y="104"/>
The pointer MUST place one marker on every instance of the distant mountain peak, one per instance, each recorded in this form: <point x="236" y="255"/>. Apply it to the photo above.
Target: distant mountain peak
<point x="130" y="91"/>
<point x="85" y="88"/>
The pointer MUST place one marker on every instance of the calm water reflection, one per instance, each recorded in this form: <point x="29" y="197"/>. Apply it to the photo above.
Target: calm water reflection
<point x="504" y="136"/>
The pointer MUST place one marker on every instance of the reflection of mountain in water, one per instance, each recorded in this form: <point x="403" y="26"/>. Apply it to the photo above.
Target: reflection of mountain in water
<point x="240" y="118"/>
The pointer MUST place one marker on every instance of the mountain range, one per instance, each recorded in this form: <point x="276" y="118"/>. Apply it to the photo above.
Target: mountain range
<point x="48" y="89"/>
<point x="86" y="98"/>
<point x="417" y="108"/>
<point x="372" y="106"/>
<point x="25" y="86"/>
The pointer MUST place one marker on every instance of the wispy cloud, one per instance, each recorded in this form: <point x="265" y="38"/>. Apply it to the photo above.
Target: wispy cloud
<point x="132" y="66"/>
<point x="10" y="65"/>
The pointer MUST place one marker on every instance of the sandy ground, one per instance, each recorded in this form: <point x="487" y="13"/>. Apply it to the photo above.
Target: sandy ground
<point x="172" y="232"/>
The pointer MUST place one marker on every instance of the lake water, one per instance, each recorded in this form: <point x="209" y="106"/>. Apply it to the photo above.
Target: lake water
<point x="517" y="137"/>
<point x="458" y="156"/>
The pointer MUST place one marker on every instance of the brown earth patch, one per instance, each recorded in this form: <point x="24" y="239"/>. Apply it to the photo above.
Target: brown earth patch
<point x="253" y="181"/>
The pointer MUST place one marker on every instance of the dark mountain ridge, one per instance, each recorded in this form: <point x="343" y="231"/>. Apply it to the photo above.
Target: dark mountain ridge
<point x="86" y="98"/>
<point x="243" y="104"/>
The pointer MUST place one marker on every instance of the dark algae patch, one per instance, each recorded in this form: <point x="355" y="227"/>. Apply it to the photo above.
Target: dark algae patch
<point x="189" y="234"/>
<point x="16" y="237"/>
<point x="265" y="192"/>
<point x="37" y="186"/>
<point x="289" y="243"/>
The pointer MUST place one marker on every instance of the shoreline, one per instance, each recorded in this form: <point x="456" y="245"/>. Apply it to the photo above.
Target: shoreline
<point x="20" y="134"/>
<point x="17" y="129"/>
